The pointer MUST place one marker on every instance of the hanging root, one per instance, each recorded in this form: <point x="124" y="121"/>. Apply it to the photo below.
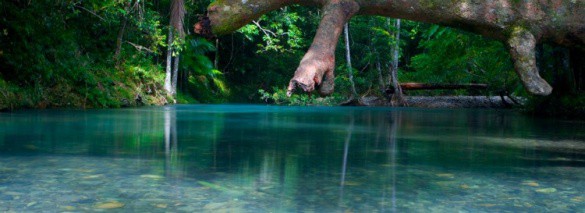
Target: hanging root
<point x="316" y="70"/>
<point x="522" y="48"/>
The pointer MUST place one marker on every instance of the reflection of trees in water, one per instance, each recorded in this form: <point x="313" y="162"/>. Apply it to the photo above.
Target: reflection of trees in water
<point x="171" y="143"/>
<point x="392" y="140"/>
<point x="350" y="130"/>
<point x="293" y="155"/>
<point x="387" y="130"/>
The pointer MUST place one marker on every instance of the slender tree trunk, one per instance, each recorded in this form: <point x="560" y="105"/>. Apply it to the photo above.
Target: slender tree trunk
<point x="177" y="20"/>
<point x="182" y="80"/>
<point x="380" y="76"/>
<point x="175" y="75"/>
<point x="168" y="86"/>
<point x="381" y="83"/>
<point x="120" y="39"/>
<point x="578" y="68"/>
<point x="216" y="59"/>
<point x="397" y="97"/>
<point x="354" y="94"/>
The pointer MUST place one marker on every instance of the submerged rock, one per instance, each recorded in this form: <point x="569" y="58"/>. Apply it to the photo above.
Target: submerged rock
<point x="446" y="175"/>
<point x="546" y="190"/>
<point x="530" y="183"/>
<point x="109" y="205"/>
<point x="152" y="176"/>
<point x="69" y="208"/>
<point x="162" y="206"/>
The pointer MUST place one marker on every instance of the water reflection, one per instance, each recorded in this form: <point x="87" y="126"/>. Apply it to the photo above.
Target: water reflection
<point x="170" y="141"/>
<point x="257" y="158"/>
<point x="392" y="144"/>
<point x="345" y="152"/>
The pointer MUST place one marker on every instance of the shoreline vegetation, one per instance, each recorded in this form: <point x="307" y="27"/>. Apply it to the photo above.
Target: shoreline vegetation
<point x="143" y="99"/>
<point x="108" y="92"/>
<point x="112" y="54"/>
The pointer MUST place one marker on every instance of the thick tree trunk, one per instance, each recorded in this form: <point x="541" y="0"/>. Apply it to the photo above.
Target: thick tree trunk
<point x="521" y="24"/>
<point x="176" y="23"/>
<point x="178" y="16"/>
<point x="522" y="49"/>
<point x="317" y="66"/>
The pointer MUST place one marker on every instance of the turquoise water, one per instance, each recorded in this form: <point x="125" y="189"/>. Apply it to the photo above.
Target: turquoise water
<point x="245" y="158"/>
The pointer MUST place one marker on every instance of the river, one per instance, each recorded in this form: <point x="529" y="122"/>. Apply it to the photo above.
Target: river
<point x="250" y="158"/>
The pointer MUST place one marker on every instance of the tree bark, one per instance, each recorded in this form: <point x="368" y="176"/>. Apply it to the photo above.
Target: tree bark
<point x="521" y="24"/>
<point x="397" y="97"/>
<point x="380" y="77"/>
<point x="216" y="59"/>
<point x="176" y="25"/>
<point x="178" y="16"/>
<point x="522" y="49"/>
<point x="317" y="66"/>
<point x="354" y="94"/>
<point x="168" y="86"/>
<point x="175" y="75"/>
<point x="120" y="39"/>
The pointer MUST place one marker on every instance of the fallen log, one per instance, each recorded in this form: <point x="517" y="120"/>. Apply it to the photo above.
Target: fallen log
<point x="426" y="86"/>
<point x="423" y="86"/>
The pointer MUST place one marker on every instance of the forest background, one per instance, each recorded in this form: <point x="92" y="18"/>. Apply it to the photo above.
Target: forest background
<point x="114" y="53"/>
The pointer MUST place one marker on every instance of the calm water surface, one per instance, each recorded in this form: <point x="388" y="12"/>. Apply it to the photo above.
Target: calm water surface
<point x="243" y="158"/>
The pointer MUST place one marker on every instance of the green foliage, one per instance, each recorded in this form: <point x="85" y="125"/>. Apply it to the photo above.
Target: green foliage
<point x="61" y="53"/>
<point x="279" y="97"/>
<point x="204" y="82"/>
<point x="278" y="31"/>
<point x="250" y="63"/>
<point x="454" y="57"/>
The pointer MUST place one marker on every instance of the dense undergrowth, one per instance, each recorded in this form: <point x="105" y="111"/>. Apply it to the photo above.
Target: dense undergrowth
<point x="63" y="54"/>
<point x="97" y="54"/>
<point x="100" y="88"/>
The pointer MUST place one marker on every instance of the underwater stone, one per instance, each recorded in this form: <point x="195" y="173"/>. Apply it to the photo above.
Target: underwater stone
<point x="546" y="190"/>
<point x="109" y="205"/>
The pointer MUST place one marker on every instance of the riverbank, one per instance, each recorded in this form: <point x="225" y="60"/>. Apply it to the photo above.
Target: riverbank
<point x="446" y="101"/>
<point x="142" y="97"/>
<point x="104" y="92"/>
